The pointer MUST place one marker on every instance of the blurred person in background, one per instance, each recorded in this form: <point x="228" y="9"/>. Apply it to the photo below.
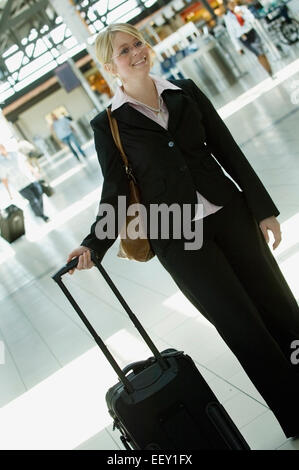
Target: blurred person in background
<point x="239" y="23"/>
<point x="64" y="132"/>
<point x="16" y="171"/>
<point x="32" y="153"/>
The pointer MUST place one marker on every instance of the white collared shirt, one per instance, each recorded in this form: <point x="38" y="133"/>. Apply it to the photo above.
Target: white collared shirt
<point x="162" y="84"/>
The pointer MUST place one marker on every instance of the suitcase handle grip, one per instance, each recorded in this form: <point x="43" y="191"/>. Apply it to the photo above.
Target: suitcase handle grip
<point x="71" y="265"/>
<point x="137" y="367"/>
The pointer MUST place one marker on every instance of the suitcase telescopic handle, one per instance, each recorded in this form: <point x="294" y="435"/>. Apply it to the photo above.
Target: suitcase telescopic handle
<point x="121" y="375"/>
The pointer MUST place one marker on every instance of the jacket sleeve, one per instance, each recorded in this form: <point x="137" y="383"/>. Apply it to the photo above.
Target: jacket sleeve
<point x="227" y="152"/>
<point x="115" y="184"/>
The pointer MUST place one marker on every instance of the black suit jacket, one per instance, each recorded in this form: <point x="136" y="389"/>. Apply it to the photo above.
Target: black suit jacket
<point x="170" y="165"/>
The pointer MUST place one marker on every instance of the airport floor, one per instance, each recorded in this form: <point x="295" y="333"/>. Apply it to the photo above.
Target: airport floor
<point x="53" y="377"/>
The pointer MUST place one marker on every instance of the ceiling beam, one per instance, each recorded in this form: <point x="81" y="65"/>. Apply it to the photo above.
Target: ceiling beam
<point x="5" y="16"/>
<point x="10" y="108"/>
<point x="14" y="21"/>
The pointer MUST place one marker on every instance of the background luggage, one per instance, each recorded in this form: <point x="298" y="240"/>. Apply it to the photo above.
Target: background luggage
<point x="162" y="402"/>
<point x="12" y="223"/>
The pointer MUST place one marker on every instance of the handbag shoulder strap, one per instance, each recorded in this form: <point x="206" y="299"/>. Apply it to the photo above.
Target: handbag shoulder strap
<point x="116" y="136"/>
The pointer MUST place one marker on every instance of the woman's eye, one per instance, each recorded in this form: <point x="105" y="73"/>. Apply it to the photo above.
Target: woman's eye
<point x="125" y="51"/>
<point x="138" y="44"/>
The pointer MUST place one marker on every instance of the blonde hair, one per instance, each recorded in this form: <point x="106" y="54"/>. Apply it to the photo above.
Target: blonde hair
<point x="104" y="41"/>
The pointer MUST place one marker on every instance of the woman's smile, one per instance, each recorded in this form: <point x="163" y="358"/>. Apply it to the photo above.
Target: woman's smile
<point x="140" y="62"/>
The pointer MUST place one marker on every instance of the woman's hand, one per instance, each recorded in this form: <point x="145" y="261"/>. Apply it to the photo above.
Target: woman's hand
<point x="272" y="224"/>
<point x="84" y="258"/>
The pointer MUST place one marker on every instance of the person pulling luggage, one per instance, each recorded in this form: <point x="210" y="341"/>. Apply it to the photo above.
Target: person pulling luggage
<point x="170" y="133"/>
<point x="16" y="171"/>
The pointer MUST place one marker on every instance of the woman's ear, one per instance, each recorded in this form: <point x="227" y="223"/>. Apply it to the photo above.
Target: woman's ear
<point x="107" y="68"/>
<point x="110" y="68"/>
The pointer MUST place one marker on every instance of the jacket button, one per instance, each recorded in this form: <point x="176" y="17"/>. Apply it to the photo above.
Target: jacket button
<point x="170" y="143"/>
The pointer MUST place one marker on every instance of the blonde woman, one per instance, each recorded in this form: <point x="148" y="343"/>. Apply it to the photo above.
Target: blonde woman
<point x="169" y="131"/>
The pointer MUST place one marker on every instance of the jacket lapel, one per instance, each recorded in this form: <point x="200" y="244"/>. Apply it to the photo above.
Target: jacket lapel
<point x="134" y="118"/>
<point x="175" y="103"/>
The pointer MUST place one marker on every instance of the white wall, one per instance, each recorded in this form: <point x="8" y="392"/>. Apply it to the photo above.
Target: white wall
<point x="33" y="121"/>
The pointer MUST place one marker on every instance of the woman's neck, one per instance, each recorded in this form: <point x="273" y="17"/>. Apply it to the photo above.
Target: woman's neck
<point x="144" y="91"/>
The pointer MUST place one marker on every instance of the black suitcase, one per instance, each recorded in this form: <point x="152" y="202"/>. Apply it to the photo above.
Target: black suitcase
<point x="162" y="403"/>
<point x="12" y="223"/>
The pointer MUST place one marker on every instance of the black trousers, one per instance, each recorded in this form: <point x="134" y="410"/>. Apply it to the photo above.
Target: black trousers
<point x="235" y="282"/>
<point x="34" y="194"/>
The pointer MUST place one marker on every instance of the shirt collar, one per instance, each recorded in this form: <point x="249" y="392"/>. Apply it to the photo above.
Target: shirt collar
<point x="120" y="97"/>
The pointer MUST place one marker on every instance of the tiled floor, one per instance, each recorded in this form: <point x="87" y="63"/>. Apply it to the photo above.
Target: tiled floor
<point x="54" y="379"/>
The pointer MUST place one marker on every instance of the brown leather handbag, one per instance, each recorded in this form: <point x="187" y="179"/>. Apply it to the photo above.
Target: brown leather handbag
<point x="138" y="249"/>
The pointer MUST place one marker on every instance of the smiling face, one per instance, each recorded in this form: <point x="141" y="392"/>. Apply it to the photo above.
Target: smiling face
<point x="131" y="57"/>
